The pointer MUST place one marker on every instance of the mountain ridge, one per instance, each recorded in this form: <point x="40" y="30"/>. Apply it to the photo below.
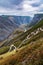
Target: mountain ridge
<point x="9" y="23"/>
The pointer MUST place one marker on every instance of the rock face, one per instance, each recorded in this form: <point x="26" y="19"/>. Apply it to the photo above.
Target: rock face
<point x="12" y="47"/>
<point x="36" y="19"/>
<point x="9" y="23"/>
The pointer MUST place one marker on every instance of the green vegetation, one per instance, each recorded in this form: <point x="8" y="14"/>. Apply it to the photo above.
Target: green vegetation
<point x="22" y="36"/>
<point x="30" y="53"/>
<point x="18" y="40"/>
<point x="4" y="50"/>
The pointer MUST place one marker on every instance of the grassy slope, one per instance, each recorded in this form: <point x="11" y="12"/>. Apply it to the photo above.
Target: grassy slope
<point x="25" y="34"/>
<point x="32" y="39"/>
<point x="32" y="52"/>
<point x="22" y="36"/>
<point x="4" y="50"/>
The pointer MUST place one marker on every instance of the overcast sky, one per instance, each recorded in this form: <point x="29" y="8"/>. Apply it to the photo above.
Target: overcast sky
<point x="21" y="7"/>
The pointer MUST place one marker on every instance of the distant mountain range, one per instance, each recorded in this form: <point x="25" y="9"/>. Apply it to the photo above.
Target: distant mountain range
<point x="9" y="23"/>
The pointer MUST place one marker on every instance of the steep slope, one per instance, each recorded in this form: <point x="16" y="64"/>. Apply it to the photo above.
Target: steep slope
<point x="22" y="36"/>
<point x="20" y="44"/>
<point x="22" y="19"/>
<point x="31" y="54"/>
<point x="30" y="51"/>
<point x="9" y="23"/>
<point x="36" y="19"/>
<point x="6" y="27"/>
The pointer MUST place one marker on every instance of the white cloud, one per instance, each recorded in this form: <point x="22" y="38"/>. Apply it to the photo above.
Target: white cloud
<point x="26" y="8"/>
<point x="31" y="1"/>
<point x="41" y="6"/>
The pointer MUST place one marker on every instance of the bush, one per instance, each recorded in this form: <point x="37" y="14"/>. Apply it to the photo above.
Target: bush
<point x="4" y="50"/>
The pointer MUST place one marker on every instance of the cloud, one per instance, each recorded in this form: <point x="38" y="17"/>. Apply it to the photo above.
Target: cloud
<point x="27" y="5"/>
<point x="27" y="8"/>
<point x="21" y="7"/>
<point x="41" y="8"/>
<point x="9" y="3"/>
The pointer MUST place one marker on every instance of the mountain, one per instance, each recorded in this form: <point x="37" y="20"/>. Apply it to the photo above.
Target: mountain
<point x="9" y="23"/>
<point x="23" y="35"/>
<point x="29" y="48"/>
<point x="22" y="19"/>
<point x="36" y="18"/>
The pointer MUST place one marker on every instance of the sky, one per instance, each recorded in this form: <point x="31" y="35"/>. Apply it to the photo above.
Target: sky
<point x="21" y="7"/>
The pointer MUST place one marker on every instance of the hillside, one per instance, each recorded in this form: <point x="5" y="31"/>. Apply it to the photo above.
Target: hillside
<point x="9" y="23"/>
<point x="36" y="19"/>
<point x="31" y="54"/>
<point x="29" y="47"/>
<point x="23" y="35"/>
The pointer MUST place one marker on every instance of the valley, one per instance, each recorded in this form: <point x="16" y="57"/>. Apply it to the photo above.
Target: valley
<point x="25" y="45"/>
